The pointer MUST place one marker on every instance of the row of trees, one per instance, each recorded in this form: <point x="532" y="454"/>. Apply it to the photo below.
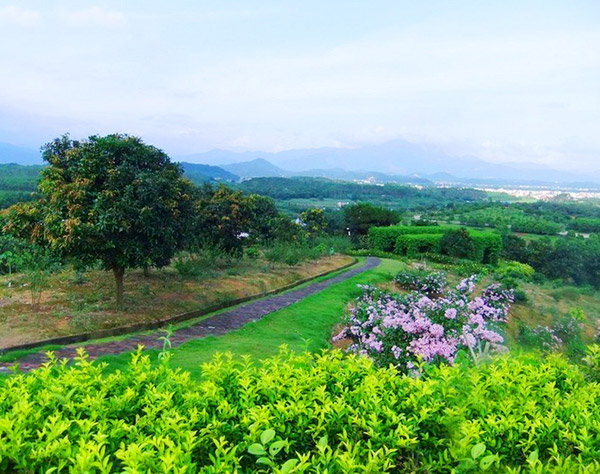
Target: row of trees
<point x="123" y="203"/>
<point x="321" y="188"/>
<point x="571" y="258"/>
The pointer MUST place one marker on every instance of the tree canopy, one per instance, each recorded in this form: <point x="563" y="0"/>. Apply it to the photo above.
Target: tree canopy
<point x="111" y="199"/>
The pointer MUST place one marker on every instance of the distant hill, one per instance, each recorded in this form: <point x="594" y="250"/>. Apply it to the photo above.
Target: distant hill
<point x="255" y="169"/>
<point x="19" y="155"/>
<point x="261" y="168"/>
<point x="199" y="173"/>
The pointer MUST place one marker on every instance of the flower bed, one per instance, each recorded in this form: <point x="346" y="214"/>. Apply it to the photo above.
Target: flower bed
<point x="429" y="283"/>
<point x="404" y="330"/>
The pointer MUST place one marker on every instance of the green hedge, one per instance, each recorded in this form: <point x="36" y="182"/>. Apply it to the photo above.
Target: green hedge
<point x="487" y="245"/>
<point x="412" y="245"/>
<point x="301" y="413"/>
<point x="416" y="240"/>
<point x="384" y="238"/>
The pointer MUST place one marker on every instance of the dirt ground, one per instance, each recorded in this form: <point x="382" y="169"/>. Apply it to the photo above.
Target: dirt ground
<point x="67" y="306"/>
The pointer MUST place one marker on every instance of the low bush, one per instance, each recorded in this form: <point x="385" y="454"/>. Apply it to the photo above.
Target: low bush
<point x="518" y="270"/>
<point x="303" y="413"/>
<point x="201" y="262"/>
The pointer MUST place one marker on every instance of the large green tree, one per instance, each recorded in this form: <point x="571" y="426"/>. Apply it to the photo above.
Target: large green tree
<point x="111" y="199"/>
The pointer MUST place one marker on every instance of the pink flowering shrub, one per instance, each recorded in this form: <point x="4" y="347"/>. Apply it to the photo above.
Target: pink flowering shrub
<point x="429" y="283"/>
<point x="405" y="329"/>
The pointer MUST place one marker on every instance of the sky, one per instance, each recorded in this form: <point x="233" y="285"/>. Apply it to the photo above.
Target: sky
<point x="510" y="81"/>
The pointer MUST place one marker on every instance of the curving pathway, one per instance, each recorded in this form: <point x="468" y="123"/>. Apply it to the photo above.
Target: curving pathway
<point x="228" y="320"/>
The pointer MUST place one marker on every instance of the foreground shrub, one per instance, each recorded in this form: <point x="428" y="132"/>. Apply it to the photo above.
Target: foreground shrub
<point x="403" y="330"/>
<point x="299" y="414"/>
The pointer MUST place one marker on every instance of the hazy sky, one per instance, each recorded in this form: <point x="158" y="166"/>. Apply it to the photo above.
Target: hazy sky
<point x="503" y="80"/>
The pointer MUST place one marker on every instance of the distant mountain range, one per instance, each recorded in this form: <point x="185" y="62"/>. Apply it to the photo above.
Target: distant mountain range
<point x="396" y="158"/>
<point x="258" y="168"/>
<point x="396" y="161"/>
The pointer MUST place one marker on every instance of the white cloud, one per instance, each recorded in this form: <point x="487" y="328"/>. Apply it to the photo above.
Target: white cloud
<point x="95" y="16"/>
<point x="19" y="16"/>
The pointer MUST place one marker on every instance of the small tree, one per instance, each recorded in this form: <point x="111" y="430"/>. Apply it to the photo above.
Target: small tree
<point x="262" y="214"/>
<point x="362" y="216"/>
<point x="111" y="199"/>
<point x="314" y="222"/>
<point x="221" y="217"/>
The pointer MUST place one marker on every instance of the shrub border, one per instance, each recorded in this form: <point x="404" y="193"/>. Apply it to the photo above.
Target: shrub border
<point x="149" y="325"/>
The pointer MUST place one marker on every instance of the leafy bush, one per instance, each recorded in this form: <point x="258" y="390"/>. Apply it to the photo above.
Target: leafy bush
<point x="303" y="413"/>
<point x="334" y="244"/>
<point x="466" y="268"/>
<point x="518" y="270"/>
<point x="252" y="252"/>
<point x="429" y="283"/>
<point x="403" y="330"/>
<point x="293" y="253"/>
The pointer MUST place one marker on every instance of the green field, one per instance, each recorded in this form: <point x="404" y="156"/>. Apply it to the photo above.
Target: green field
<point x="306" y="325"/>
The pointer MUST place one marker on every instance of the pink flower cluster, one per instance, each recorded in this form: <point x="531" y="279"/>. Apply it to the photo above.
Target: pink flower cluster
<point x="405" y="329"/>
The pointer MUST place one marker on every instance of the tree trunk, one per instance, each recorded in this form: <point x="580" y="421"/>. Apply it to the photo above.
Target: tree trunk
<point x="146" y="271"/>
<point x="119" y="273"/>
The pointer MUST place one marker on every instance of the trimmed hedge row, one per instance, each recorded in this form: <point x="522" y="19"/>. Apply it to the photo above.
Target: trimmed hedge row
<point x="300" y="414"/>
<point x="414" y="240"/>
<point x="384" y="238"/>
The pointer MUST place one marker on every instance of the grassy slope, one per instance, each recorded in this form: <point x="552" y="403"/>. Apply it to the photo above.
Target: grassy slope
<point x="304" y="325"/>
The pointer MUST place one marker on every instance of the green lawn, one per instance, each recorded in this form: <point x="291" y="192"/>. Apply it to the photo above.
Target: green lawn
<point x="304" y="325"/>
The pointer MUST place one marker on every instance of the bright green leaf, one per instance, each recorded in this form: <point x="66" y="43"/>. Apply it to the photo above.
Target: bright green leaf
<point x="477" y="450"/>
<point x="267" y="436"/>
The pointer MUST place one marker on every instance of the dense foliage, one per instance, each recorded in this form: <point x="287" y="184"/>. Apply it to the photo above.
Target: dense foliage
<point x="303" y="413"/>
<point x="571" y="258"/>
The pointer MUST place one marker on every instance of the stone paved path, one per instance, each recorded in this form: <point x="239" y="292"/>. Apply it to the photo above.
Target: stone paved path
<point x="218" y="324"/>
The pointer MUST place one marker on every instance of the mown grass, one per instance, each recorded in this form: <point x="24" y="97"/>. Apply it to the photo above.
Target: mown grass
<point x="306" y="325"/>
